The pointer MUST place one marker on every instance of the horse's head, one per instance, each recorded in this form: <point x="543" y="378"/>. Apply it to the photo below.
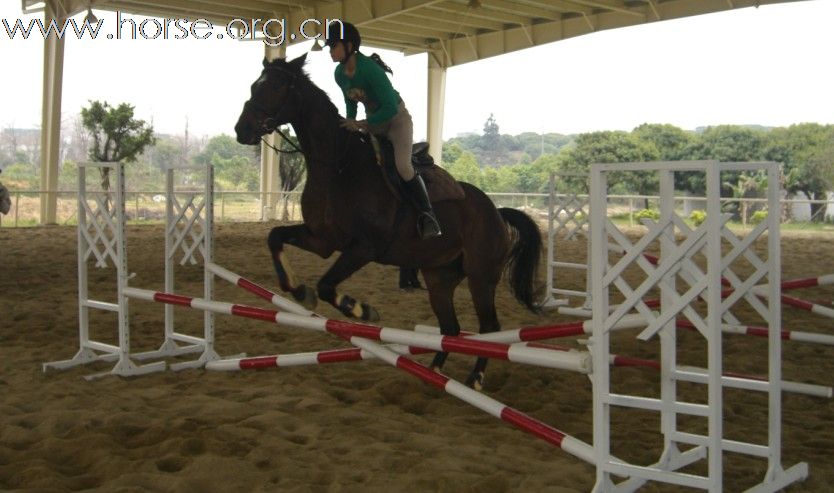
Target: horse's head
<point x="275" y="100"/>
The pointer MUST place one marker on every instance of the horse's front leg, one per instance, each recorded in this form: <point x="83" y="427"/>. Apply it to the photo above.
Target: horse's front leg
<point x="351" y="260"/>
<point x="298" y="235"/>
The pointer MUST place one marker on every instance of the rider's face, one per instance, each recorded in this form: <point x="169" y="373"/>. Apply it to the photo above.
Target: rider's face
<point x="337" y="52"/>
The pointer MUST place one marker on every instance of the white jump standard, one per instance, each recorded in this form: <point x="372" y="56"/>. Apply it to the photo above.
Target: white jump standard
<point x="680" y="284"/>
<point x="101" y="233"/>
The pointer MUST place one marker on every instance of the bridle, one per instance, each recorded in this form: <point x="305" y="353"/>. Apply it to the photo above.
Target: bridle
<point x="269" y="124"/>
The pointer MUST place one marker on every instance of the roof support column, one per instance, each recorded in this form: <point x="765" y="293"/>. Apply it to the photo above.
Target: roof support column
<point x="53" y="71"/>
<point x="436" y="101"/>
<point x="270" y="176"/>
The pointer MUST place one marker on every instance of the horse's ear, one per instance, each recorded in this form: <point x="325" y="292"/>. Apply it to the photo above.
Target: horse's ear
<point x="299" y="62"/>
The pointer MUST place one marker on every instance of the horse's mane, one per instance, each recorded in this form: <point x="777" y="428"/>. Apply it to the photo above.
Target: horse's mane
<point x="326" y="107"/>
<point x="297" y="67"/>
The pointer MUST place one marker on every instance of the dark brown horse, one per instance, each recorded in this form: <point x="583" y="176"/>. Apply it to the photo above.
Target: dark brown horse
<point x="347" y="207"/>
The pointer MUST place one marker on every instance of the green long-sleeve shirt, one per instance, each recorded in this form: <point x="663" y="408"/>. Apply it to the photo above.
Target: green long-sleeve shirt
<point x="370" y="86"/>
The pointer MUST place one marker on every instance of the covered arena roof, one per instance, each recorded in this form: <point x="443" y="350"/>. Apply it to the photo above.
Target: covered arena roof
<point x="452" y="31"/>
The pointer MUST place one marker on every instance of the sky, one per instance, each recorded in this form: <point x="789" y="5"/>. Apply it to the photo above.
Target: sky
<point x="769" y="65"/>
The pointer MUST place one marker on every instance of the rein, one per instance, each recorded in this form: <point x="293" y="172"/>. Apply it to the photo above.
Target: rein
<point x="270" y="126"/>
<point x="286" y="139"/>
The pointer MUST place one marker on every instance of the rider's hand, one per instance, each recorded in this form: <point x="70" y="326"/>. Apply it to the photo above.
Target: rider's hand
<point x="355" y="125"/>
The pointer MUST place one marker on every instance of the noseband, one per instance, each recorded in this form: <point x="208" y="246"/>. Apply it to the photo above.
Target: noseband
<point x="270" y="123"/>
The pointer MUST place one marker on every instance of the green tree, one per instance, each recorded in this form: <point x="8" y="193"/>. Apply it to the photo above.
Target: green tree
<point x="806" y="150"/>
<point x="726" y="143"/>
<point x="613" y="147"/>
<point x="466" y="169"/>
<point x="115" y="134"/>
<point x="235" y="165"/>
<point x="669" y="140"/>
<point x="451" y="151"/>
<point x="494" y="145"/>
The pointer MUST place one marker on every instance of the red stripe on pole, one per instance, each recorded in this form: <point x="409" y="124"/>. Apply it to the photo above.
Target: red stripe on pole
<point x="651" y="258"/>
<point x="255" y="289"/>
<point x="422" y="372"/>
<point x="252" y="312"/>
<point x="532" y="426"/>
<point x="260" y="362"/>
<point x="797" y="303"/>
<point x="551" y="331"/>
<point x="339" y="355"/>
<point x="172" y="299"/>
<point x="756" y="331"/>
<point x="350" y="329"/>
<point x="801" y="283"/>
<point x="477" y="348"/>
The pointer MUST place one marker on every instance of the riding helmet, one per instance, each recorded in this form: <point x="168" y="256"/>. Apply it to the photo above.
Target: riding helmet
<point x="344" y="32"/>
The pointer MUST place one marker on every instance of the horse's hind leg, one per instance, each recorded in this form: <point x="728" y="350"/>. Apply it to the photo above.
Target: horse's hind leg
<point x="297" y="235"/>
<point x="441" y="283"/>
<point x="483" y="297"/>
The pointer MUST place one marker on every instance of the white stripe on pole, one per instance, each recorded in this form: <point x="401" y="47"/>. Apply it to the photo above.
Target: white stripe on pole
<point x="300" y="321"/>
<point x="212" y="306"/>
<point x="224" y="365"/>
<point x="139" y="294"/>
<point x="223" y="273"/>
<point x="428" y="341"/>
<point x="578" y="448"/>
<point x="560" y="360"/>
<point x="475" y="398"/>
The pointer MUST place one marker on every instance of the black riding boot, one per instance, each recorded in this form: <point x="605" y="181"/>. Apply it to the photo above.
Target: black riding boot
<point x="427" y="224"/>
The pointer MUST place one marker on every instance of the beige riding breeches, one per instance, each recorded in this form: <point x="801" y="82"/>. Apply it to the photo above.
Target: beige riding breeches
<point x="400" y="131"/>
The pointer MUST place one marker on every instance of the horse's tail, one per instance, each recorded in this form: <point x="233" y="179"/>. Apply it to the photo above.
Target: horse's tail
<point x="523" y="261"/>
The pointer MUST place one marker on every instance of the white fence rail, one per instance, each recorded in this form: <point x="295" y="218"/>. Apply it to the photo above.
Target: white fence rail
<point x="237" y="206"/>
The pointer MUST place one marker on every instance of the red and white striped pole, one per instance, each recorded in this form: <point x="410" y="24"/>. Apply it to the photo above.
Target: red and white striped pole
<point x="808" y="306"/>
<point x="573" y="361"/>
<point x="259" y="290"/>
<point x="809" y="282"/>
<point x="569" y="444"/>
<point x="787" y="335"/>
<point x="731" y="379"/>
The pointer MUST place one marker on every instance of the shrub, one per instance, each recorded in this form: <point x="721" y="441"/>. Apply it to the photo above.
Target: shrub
<point x="758" y="217"/>
<point x="698" y="217"/>
<point x="652" y="214"/>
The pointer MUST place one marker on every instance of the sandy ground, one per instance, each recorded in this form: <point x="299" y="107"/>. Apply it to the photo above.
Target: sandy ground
<point x="346" y="427"/>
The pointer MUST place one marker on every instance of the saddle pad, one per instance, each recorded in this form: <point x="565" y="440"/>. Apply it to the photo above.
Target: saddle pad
<point x="440" y="185"/>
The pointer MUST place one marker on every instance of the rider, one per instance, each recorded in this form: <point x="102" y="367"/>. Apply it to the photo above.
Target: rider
<point x="362" y="79"/>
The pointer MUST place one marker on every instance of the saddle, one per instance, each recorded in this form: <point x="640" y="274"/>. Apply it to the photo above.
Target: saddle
<point x="440" y="185"/>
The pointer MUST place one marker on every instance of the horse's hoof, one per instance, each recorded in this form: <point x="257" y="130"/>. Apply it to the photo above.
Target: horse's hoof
<point x="306" y="296"/>
<point x="475" y="380"/>
<point x="369" y="313"/>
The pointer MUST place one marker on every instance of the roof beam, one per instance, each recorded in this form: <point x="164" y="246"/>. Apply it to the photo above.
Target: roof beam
<point x="450" y="28"/>
<point x="612" y="5"/>
<point x="521" y="8"/>
<point x="383" y="9"/>
<point x="430" y="16"/>
<point x="183" y="8"/>
<point x="410" y="29"/>
<point x="389" y="37"/>
<point x="470" y="12"/>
